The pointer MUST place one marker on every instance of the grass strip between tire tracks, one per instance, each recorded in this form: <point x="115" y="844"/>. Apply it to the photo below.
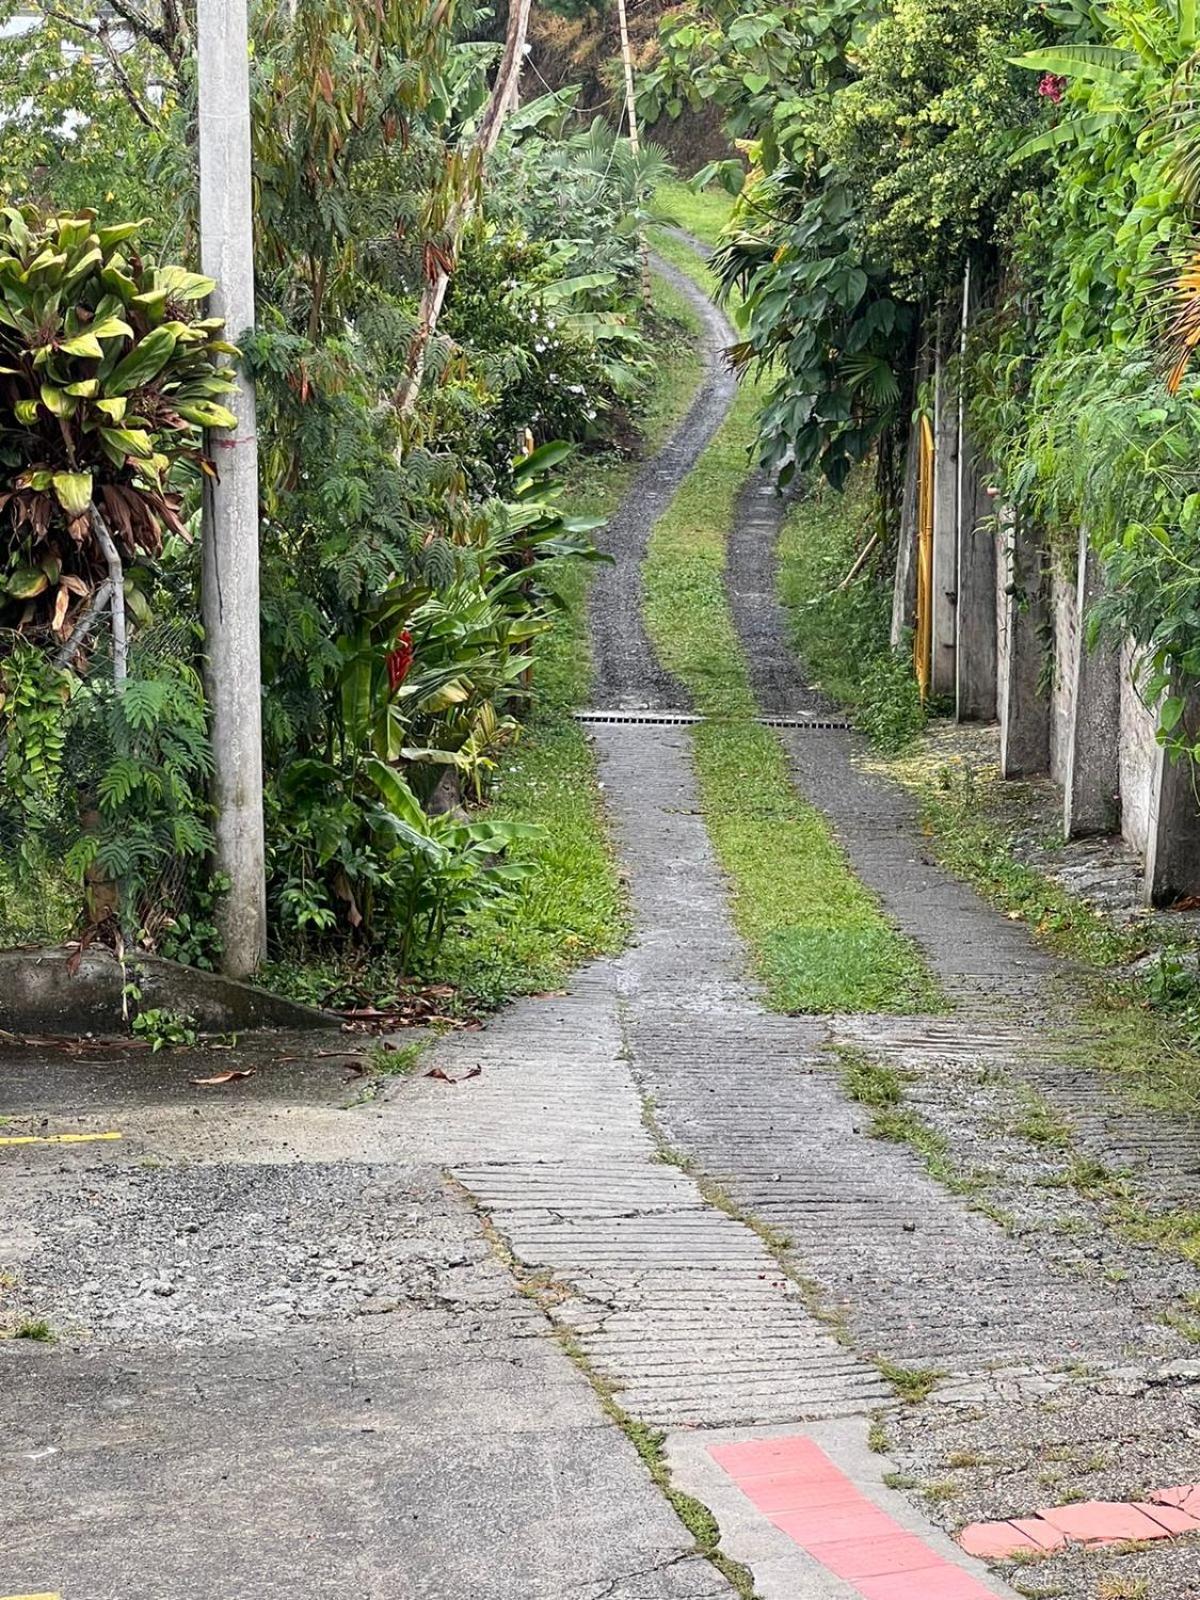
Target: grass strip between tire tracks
<point x="818" y="939"/>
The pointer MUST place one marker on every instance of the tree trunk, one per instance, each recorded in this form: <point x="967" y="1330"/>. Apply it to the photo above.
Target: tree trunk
<point x="116" y="599"/>
<point x="434" y="297"/>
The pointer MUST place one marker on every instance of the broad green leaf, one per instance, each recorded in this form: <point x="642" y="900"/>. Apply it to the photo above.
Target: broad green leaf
<point x="1094" y="63"/>
<point x="152" y="302"/>
<point x="80" y="269"/>
<point x="73" y="231"/>
<point x="144" y="362"/>
<point x="57" y="401"/>
<point x="83" y="344"/>
<point x="1170" y="713"/>
<point x="129" y="442"/>
<point x="396" y="794"/>
<point x="207" y="415"/>
<point x="26" y="583"/>
<point x="119" y="232"/>
<point x="110" y="328"/>
<point x="113" y="408"/>
<point x="118" y="282"/>
<point x="73" y="491"/>
<point x="183" y="285"/>
<point x="86" y="389"/>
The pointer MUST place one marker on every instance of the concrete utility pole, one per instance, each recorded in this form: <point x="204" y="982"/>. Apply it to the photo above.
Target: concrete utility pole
<point x="230" y="564"/>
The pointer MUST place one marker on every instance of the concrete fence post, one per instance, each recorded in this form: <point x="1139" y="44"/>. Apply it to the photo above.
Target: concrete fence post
<point x="1091" y="784"/>
<point x="1023" y="706"/>
<point x="975" y="657"/>
<point x="1173" y="836"/>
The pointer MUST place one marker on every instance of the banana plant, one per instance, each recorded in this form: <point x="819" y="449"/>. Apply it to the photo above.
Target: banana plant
<point x="109" y="372"/>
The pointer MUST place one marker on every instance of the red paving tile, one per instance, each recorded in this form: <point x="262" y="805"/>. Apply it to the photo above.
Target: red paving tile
<point x="860" y="1521"/>
<point x="795" y="1484"/>
<point x="1172" y="1519"/>
<point x="792" y="1491"/>
<point x="873" y="1558"/>
<point x="759" y="1458"/>
<point x="1184" y="1495"/>
<point x="805" y="1495"/>
<point x="1102" y="1521"/>
<point x="1042" y="1534"/>
<point x="993" y="1541"/>
<point x="940" y="1582"/>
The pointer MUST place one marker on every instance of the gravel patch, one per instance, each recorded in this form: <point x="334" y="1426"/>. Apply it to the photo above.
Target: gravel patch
<point x="197" y="1254"/>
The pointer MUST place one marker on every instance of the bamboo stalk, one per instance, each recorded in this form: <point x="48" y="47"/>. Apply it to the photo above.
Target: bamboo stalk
<point x="635" y="145"/>
<point x="434" y="297"/>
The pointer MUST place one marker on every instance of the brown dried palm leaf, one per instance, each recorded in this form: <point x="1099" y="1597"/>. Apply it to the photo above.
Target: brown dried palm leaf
<point x="1183" y="331"/>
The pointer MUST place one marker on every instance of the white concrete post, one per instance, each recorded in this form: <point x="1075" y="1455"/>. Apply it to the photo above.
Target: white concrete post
<point x="1024" y="707"/>
<point x="230" y="537"/>
<point x="1091" y="784"/>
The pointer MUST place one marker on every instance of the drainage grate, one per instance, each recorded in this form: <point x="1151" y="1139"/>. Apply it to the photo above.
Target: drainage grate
<point x="689" y="719"/>
<point x="809" y="724"/>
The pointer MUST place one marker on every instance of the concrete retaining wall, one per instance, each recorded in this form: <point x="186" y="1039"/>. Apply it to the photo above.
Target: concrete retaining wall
<point x="52" y="992"/>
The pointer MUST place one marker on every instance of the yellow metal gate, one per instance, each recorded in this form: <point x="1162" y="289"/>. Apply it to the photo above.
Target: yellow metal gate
<point x="923" y="633"/>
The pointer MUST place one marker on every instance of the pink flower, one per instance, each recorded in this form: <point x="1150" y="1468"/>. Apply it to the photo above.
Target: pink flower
<point x="1052" y="87"/>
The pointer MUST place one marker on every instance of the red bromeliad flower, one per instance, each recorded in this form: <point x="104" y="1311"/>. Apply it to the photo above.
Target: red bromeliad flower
<point x="400" y="660"/>
<point x="1052" y="87"/>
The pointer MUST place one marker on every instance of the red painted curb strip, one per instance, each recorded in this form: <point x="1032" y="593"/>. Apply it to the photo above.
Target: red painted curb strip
<point x="795" y="1484"/>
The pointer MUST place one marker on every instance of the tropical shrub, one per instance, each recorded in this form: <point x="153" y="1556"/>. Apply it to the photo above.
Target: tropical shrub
<point x="107" y="377"/>
<point x="537" y="372"/>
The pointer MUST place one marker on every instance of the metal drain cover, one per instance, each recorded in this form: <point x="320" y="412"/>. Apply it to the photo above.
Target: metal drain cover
<point x="689" y="719"/>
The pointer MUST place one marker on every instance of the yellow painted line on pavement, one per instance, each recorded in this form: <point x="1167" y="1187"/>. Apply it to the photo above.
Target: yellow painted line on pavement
<point x="51" y="1138"/>
<point x="46" y="1596"/>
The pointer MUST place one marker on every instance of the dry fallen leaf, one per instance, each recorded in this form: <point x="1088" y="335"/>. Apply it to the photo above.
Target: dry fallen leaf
<point x="443" y="1076"/>
<point x="227" y="1077"/>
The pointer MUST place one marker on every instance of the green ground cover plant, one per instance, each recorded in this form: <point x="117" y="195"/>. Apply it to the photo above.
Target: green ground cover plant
<point x="841" y="630"/>
<point x="569" y="907"/>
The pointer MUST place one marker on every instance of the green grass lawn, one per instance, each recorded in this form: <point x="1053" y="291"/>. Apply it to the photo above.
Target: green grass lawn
<point x="702" y="214"/>
<point x="818" y="939"/>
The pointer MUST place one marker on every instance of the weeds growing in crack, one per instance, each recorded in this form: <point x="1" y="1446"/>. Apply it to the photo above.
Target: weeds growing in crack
<point x="899" y="1480"/>
<point x="1123" y="1586"/>
<point x="871" y="1083"/>
<point x="544" y="1291"/>
<point x="912" y="1384"/>
<point x="35" y="1328"/>
<point x="1039" y="1122"/>
<point x="385" y="1060"/>
<point x="881" y="1089"/>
